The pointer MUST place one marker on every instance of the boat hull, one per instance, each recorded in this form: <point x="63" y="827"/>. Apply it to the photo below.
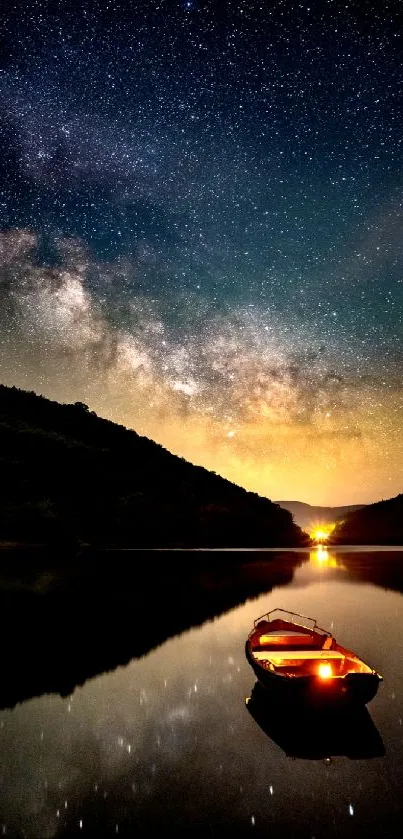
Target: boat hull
<point x="352" y="689"/>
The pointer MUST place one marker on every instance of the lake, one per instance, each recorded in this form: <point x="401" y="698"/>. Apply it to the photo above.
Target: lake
<point x="166" y="743"/>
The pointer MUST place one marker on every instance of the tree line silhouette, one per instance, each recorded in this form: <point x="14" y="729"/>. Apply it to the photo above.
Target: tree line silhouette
<point x="69" y="476"/>
<point x="375" y="524"/>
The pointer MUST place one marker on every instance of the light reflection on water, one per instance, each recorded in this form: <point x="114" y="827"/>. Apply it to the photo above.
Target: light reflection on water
<point x="323" y="557"/>
<point x="167" y="741"/>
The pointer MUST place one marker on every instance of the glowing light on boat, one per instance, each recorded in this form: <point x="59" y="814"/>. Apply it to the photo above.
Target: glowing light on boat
<point x="325" y="671"/>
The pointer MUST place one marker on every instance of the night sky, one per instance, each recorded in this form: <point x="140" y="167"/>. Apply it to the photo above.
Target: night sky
<point x="201" y="230"/>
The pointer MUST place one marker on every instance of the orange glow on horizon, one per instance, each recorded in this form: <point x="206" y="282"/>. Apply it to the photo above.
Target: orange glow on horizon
<point x="322" y="533"/>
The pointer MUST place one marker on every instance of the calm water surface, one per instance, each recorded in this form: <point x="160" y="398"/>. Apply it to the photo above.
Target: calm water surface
<point x="167" y="744"/>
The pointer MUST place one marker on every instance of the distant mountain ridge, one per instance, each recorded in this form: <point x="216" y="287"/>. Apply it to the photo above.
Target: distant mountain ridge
<point x="69" y="475"/>
<point x="307" y="515"/>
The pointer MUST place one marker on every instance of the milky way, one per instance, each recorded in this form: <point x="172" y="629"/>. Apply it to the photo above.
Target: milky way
<point x="201" y="231"/>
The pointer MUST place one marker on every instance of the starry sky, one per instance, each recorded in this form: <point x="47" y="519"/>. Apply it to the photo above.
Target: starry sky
<point x="201" y="230"/>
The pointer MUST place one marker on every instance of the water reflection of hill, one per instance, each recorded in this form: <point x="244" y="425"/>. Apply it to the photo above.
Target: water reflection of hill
<point x="382" y="568"/>
<point x="72" y="621"/>
<point x="314" y="735"/>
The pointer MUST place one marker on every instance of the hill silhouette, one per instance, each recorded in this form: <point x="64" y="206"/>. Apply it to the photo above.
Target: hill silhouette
<point x="375" y="524"/>
<point x="71" y="476"/>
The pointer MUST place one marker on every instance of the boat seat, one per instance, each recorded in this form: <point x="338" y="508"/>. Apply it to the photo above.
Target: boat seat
<point x="288" y="639"/>
<point x="294" y="655"/>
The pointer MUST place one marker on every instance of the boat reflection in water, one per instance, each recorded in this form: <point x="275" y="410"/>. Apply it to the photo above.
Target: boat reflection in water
<point x="311" y="734"/>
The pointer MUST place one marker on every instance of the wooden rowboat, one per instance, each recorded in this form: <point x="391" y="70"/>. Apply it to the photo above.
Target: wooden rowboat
<point x="294" y="658"/>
